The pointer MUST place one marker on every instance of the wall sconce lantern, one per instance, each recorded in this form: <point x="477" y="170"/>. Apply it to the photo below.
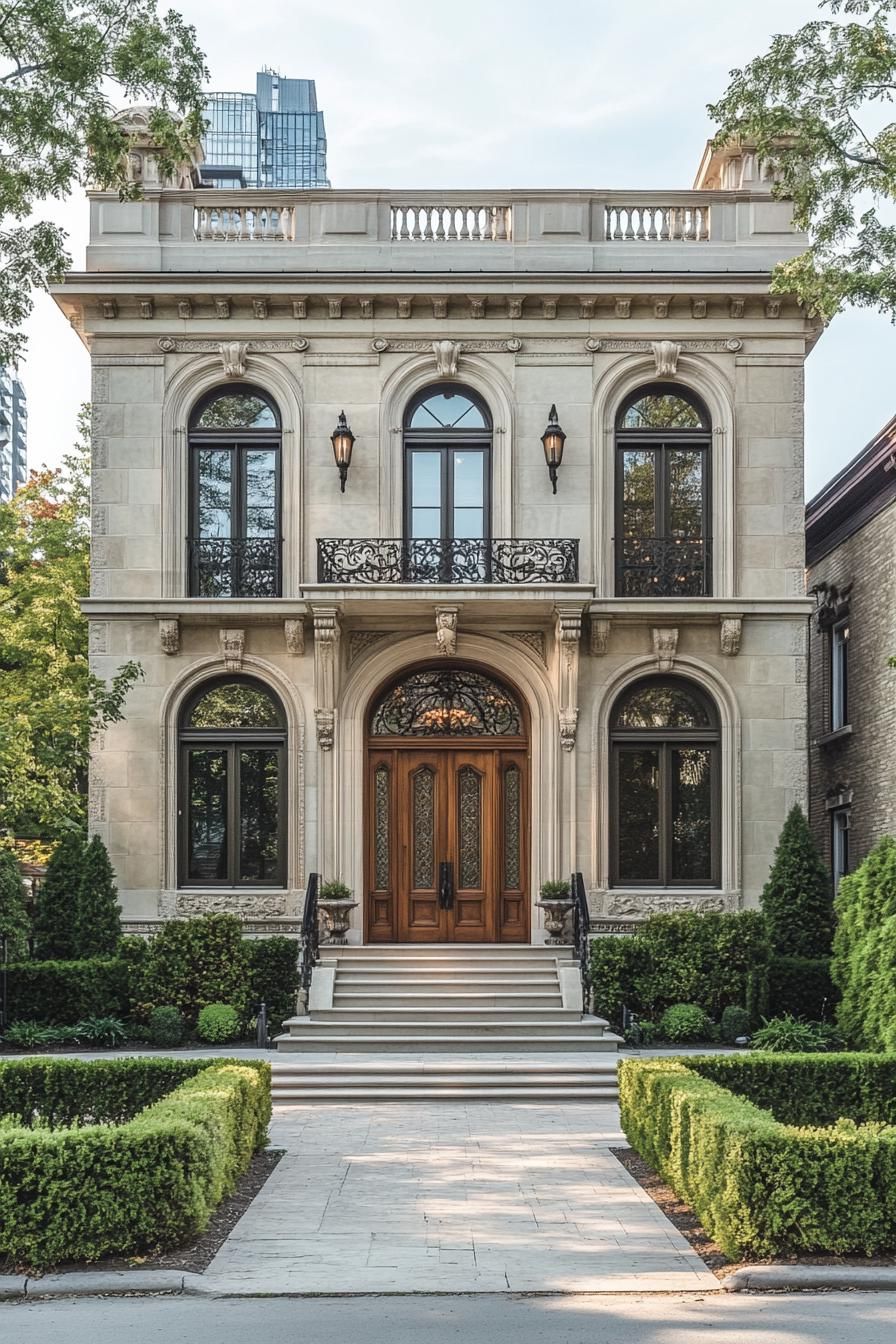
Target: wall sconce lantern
<point x="342" y="440"/>
<point x="552" y="440"/>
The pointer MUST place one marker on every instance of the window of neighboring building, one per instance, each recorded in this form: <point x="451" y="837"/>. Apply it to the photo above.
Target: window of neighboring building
<point x="840" y="675"/>
<point x="839" y="843"/>
<point x="664" y="747"/>
<point x="232" y="786"/>
<point x="663" y="534"/>
<point x="235" y="540"/>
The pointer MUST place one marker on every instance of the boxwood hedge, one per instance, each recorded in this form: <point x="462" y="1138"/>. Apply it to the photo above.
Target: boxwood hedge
<point x="761" y="1186"/>
<point x="122" y="1155"/>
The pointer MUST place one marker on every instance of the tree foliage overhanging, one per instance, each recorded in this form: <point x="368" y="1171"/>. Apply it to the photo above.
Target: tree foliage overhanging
<point x="62" y="62"/>
<point x="817" y="107"/>
<point x="50" y="703"/>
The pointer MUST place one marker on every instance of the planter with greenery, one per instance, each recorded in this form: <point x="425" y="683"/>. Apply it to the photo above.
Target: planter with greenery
<point x="555" y="899"/>
<point x="336" y="901"/>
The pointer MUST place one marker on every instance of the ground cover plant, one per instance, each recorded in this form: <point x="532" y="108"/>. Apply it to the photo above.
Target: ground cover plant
<point x="777" y="1154"/>
<point x="150" y="1146"/>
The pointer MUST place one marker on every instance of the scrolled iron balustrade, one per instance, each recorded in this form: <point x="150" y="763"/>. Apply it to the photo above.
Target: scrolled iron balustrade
<point x="309" y="940"/>
<point x="513" y="560"/>
<point x="581" y="931"/>
<point x="663" y="566"/>
<point x="245" y="567"/>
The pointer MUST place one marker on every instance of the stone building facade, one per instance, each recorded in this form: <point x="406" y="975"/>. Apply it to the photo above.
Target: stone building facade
<point x="850" y="552"/>
<point x="445" y="683"/>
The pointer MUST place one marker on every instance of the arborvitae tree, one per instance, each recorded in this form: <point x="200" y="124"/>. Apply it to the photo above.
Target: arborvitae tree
<point x="13" y="915"/>
<point x="57" y="900"/>
<point x="797" y="900"/>
<point x="863" y="965"/>
<point x="97" y="917"/>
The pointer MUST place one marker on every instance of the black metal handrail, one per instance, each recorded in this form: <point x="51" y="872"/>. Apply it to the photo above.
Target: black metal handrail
<point x="309" y="941"/>
<point x="235" y="567"/>
<point x="439" y="560"/>
<point x="581" y="929"/>
<point x="663" y="566"/>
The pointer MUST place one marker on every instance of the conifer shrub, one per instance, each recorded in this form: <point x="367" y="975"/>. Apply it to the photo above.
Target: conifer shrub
<point x="14" y="923"/>
<point x="802" y="986"/>
<point x="863" y="964"/>
<point x="97" y="912"/>
<point x="57" y="899"/>
<point x="796" y="900"/>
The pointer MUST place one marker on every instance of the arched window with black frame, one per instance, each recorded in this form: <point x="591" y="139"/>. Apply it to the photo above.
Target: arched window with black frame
<point x="447" y="486"/>
<point x="664" y="787"/>
<point x="235" y="532"/>
<point x="232" y="786"/>
<point x="663" y="518"/>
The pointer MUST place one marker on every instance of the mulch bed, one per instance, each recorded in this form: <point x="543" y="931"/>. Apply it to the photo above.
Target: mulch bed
<point x="684" y="1219"/>
<point x="196" y="1255"/>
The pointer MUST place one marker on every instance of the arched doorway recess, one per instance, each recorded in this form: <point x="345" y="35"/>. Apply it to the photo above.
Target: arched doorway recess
<point x="447" y="807"/>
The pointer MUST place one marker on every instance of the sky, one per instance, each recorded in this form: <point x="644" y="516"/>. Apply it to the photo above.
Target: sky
<point x="575" y="93"/>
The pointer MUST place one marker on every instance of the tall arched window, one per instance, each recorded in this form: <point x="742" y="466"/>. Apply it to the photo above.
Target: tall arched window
<point x="664" y="745"/>
<point x="232" y="788"/>
<point x="447" y="490"/>
<point x="235" y="537"/>
<point x="663" y="524"/>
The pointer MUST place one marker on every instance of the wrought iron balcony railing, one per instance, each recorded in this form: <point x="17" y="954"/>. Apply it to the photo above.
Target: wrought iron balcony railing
<point x="663" y="567"/>
<point x="243" y="567"/>
<point x="433" y="560"/>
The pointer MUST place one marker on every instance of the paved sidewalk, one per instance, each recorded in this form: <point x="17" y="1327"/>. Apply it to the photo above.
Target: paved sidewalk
<point x="443" y="1197"/>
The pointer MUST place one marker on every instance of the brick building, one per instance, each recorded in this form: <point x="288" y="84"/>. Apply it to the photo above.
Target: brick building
<point x="850" y="552"/>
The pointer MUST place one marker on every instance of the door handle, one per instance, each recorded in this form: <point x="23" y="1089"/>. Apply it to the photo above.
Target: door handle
<point x="446" y="886"/>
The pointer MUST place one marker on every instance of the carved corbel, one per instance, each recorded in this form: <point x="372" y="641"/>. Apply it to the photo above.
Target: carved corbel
<point x="294" y="633"/>
<point x="325" y="722"/>
<point x="665" y="646"/>
<point x="447" y="354"/>
<point x="569" y="634"/>
<point x="660" y="306"/>
<point x="665" y="356"/>
<point x="729" y="635"/>
<point x="514" y="308"/>
<point x="300" y="309"/>
<point x="446" y="630"/>
<point x="736" y="308"/>
<point x="222" y="308"/>
<point x="477" y="306"/>
<point x="549" y="308"/>
<point x="586" y="308"/>
<point x="623" y="308"/>
<point x="327" y="635"/>
<point x="146" y="309"/>
<point x="600" y="636"/>
<point x="233" y="357"/>
<point x="698" y="307"/>
<point x="109" y="308"/>
<point x="185" y="309"/>
<point x="232" y="644"/>
<point x="169" y="635"/>
<point x="366" y="306"/>
<point x="440" y="308"/>
<point x="334" y="307"/>
<point x="260" y="308"/>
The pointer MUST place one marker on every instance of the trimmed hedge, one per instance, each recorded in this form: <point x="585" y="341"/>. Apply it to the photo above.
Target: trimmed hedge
<point x="809" y="1089"/>
<point x="712" y="960"/>
<point x="759" y="1186"/>
<point x="150" y="1180"/>
<point x="65" y="992"/>
<point x="801" y="986"/>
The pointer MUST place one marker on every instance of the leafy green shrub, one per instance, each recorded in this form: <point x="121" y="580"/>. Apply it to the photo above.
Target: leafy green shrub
<point x="68" y="991"/>
<point x="32" y="1036"/>
<point x="712" y="960"/>
<point x="218" y="1022"/>
<point x="165" y="1027"/>
<point x="797" y="900"/>
<point x="814" y="1089"/>
<point x="788" y="1035"/>
<point x="801" y="986"/>
<point x="150" y="1181"/>
<point x="272" y="978"/>
<point x="758" y="1186"/>
<point x="735" y="1022"/>
<point x="14" y="925"/>
<point x="194" y="962"/>
<point x="683" y="1022"/>
<point x="555" y="889"/>
<point x="863" y="964"/>
<point x="57" y="896"/>
<point x="97" y="912"/>
<point x="109" y="1031"/>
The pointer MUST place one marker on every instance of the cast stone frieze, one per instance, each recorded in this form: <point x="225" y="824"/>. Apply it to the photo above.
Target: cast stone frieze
<point x="446" y="630"/>
<point x="509" y="346"/>
<point x="362" y="640"/>
<point x="631" y="345"/>
<point x="532" y="639"/>
<point x="173" y="344"/>
<point x="625" y="904"/>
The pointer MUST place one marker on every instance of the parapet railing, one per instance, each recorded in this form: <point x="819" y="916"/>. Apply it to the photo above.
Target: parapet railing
<point x="657" y="223"/>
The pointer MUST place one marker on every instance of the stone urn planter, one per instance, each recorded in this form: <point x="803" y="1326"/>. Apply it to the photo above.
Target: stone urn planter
<point x="335" y="900"/>
<point x="556" y="902"/>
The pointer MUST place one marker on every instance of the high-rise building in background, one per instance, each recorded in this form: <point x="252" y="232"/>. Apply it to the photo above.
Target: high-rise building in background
<point x="13" y="434"/>
<point x="274" y="137"/>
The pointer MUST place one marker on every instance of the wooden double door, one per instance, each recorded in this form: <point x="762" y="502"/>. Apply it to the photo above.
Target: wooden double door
<point x="447" y="844"/>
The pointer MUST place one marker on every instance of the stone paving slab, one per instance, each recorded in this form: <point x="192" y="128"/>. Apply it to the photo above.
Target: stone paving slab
<point x="447" y="1197"/>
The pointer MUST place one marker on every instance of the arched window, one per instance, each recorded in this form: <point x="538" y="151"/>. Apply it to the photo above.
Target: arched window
<point x="232" y="788"/>
<point x="664" y="745"/>
<point x="447" y="702"/>
<point x="663" y="525"/>
<point x="235" y="495"/>
<point x="447" y="490"/>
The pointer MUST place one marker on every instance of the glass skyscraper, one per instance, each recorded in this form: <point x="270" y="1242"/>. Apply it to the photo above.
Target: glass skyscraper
<point x="274" y="137"/>
<point x="13" y="434"/>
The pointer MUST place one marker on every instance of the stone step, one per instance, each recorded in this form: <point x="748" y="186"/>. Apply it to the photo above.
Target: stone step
<point x="461" y="976"/>
<point x="515" y="1092"/>
<point x="451" y="1015"/>
<point x="446" y="998"/>
<point x="316" y="1039"/>
<point x="445" y="965"/>
<point x="440" y="1067"/>
<point x="359" y="951"/>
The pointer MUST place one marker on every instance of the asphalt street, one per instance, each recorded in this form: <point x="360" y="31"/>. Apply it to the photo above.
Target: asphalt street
<point x="818" y="1318"/>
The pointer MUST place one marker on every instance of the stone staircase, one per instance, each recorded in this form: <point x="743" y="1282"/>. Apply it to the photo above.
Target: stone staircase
<point x="414" y="1022"/>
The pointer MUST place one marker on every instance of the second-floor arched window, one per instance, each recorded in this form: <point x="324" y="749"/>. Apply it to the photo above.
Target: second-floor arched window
<point x="663" y="523"/>
<point x="235" y="535"/>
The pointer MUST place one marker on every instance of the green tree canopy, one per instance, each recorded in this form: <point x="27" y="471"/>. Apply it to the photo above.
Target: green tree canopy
<point x="61" y="62"/>
<point x="50" y="703"/>
<point x="817" y="108"/>
<point x="13" y="917"/>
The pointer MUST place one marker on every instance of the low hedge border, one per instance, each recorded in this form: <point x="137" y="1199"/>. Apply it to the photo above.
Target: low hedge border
<point x="62" y="992"/>
<point x="761" y="1187"/>
<point x="164" y="1141"/>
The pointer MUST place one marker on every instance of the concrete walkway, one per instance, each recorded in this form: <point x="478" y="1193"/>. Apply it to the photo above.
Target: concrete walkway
<point x="444" y="1197"/>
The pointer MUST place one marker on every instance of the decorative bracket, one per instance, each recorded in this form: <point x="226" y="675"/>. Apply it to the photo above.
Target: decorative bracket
<point x="327" y="636"/>
<point x="169" y="636"/>
<point x="232" y="644"/>
<point x="665" y="646"/>
<point x="665" y="354"/>
<point x="447" y="354"/>
<point x="446" y="630"/>
<point x="730" y="628"/>
<point x="569" y="634"/>
<point x="233" y="357"/>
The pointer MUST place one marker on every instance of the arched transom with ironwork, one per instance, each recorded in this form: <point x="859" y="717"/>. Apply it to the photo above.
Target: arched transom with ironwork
<point x="447" y="702"/>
